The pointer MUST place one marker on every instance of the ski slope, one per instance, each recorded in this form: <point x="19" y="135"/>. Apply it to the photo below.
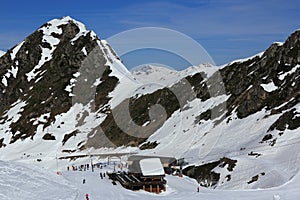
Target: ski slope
<point x="19" y="181"/>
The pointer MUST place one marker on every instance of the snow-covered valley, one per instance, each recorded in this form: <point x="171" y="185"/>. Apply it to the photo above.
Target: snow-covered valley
<point x="237" y="126"/>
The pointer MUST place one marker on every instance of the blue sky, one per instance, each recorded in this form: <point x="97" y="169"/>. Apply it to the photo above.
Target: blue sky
<point x="228" y="29"/>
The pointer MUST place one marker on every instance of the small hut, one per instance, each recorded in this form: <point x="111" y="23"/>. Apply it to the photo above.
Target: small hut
<point x="148" y="174"/>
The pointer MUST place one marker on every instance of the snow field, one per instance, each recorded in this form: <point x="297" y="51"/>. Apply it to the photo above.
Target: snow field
<point x="19" y="181"/>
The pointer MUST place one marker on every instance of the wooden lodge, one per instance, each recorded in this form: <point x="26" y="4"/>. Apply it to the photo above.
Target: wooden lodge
<point x="134" y="182"/>
<point x="146" y="173"/>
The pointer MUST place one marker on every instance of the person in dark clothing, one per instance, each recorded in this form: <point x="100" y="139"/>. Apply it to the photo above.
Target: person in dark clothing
<point x="101" y="176"/>
<point x="83" y="181"/>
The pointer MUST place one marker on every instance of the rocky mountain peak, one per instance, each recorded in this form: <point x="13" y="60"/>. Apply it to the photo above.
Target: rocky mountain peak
<point x="38" y="74"/>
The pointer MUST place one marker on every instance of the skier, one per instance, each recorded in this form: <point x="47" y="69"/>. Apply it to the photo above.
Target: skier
<point x="276" y="197"/>
<point x="87" y="196"/>
<point x="101" y="175"/>
<point x="83" y="181"/>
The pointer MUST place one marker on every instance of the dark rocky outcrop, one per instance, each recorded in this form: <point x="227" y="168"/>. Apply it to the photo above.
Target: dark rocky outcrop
<point x="48" y="136"/>
<point x="205" y="174"/>
<point x="242" y="80"/>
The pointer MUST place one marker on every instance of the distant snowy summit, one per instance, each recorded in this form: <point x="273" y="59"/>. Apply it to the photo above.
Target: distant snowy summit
<point x="2" y="53"/>
<point x="166" y="76"/>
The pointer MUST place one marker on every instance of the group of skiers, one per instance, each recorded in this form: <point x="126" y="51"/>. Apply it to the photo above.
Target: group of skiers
<point x="81" y="167"/>
<point x="87" y="167"/>
<point x="102" y="175"/>
<point x="84" y="167"/>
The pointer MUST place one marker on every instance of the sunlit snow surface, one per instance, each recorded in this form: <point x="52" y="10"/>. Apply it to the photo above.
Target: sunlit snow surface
<point x="151" y="167"/>
<point x="20" y="182"/>
<point x="2" y="53"/>
<point x="270" y="87"/>
<point x="28" y="182"/>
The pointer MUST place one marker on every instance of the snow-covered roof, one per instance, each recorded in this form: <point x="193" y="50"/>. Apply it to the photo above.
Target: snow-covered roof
<point x="151" y="167"/>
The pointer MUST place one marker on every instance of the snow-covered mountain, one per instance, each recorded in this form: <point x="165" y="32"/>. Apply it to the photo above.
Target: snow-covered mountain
<point x="55" y="85"/>
<point x="65" y="92"/>
<point x="151" y="78"/>
<point x="165" y="76"/>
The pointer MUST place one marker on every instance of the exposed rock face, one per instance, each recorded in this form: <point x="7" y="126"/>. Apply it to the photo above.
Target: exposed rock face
<point x="117" y="129"/>
<point x="205" y="175"/>
<point x="243" y="80"/>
